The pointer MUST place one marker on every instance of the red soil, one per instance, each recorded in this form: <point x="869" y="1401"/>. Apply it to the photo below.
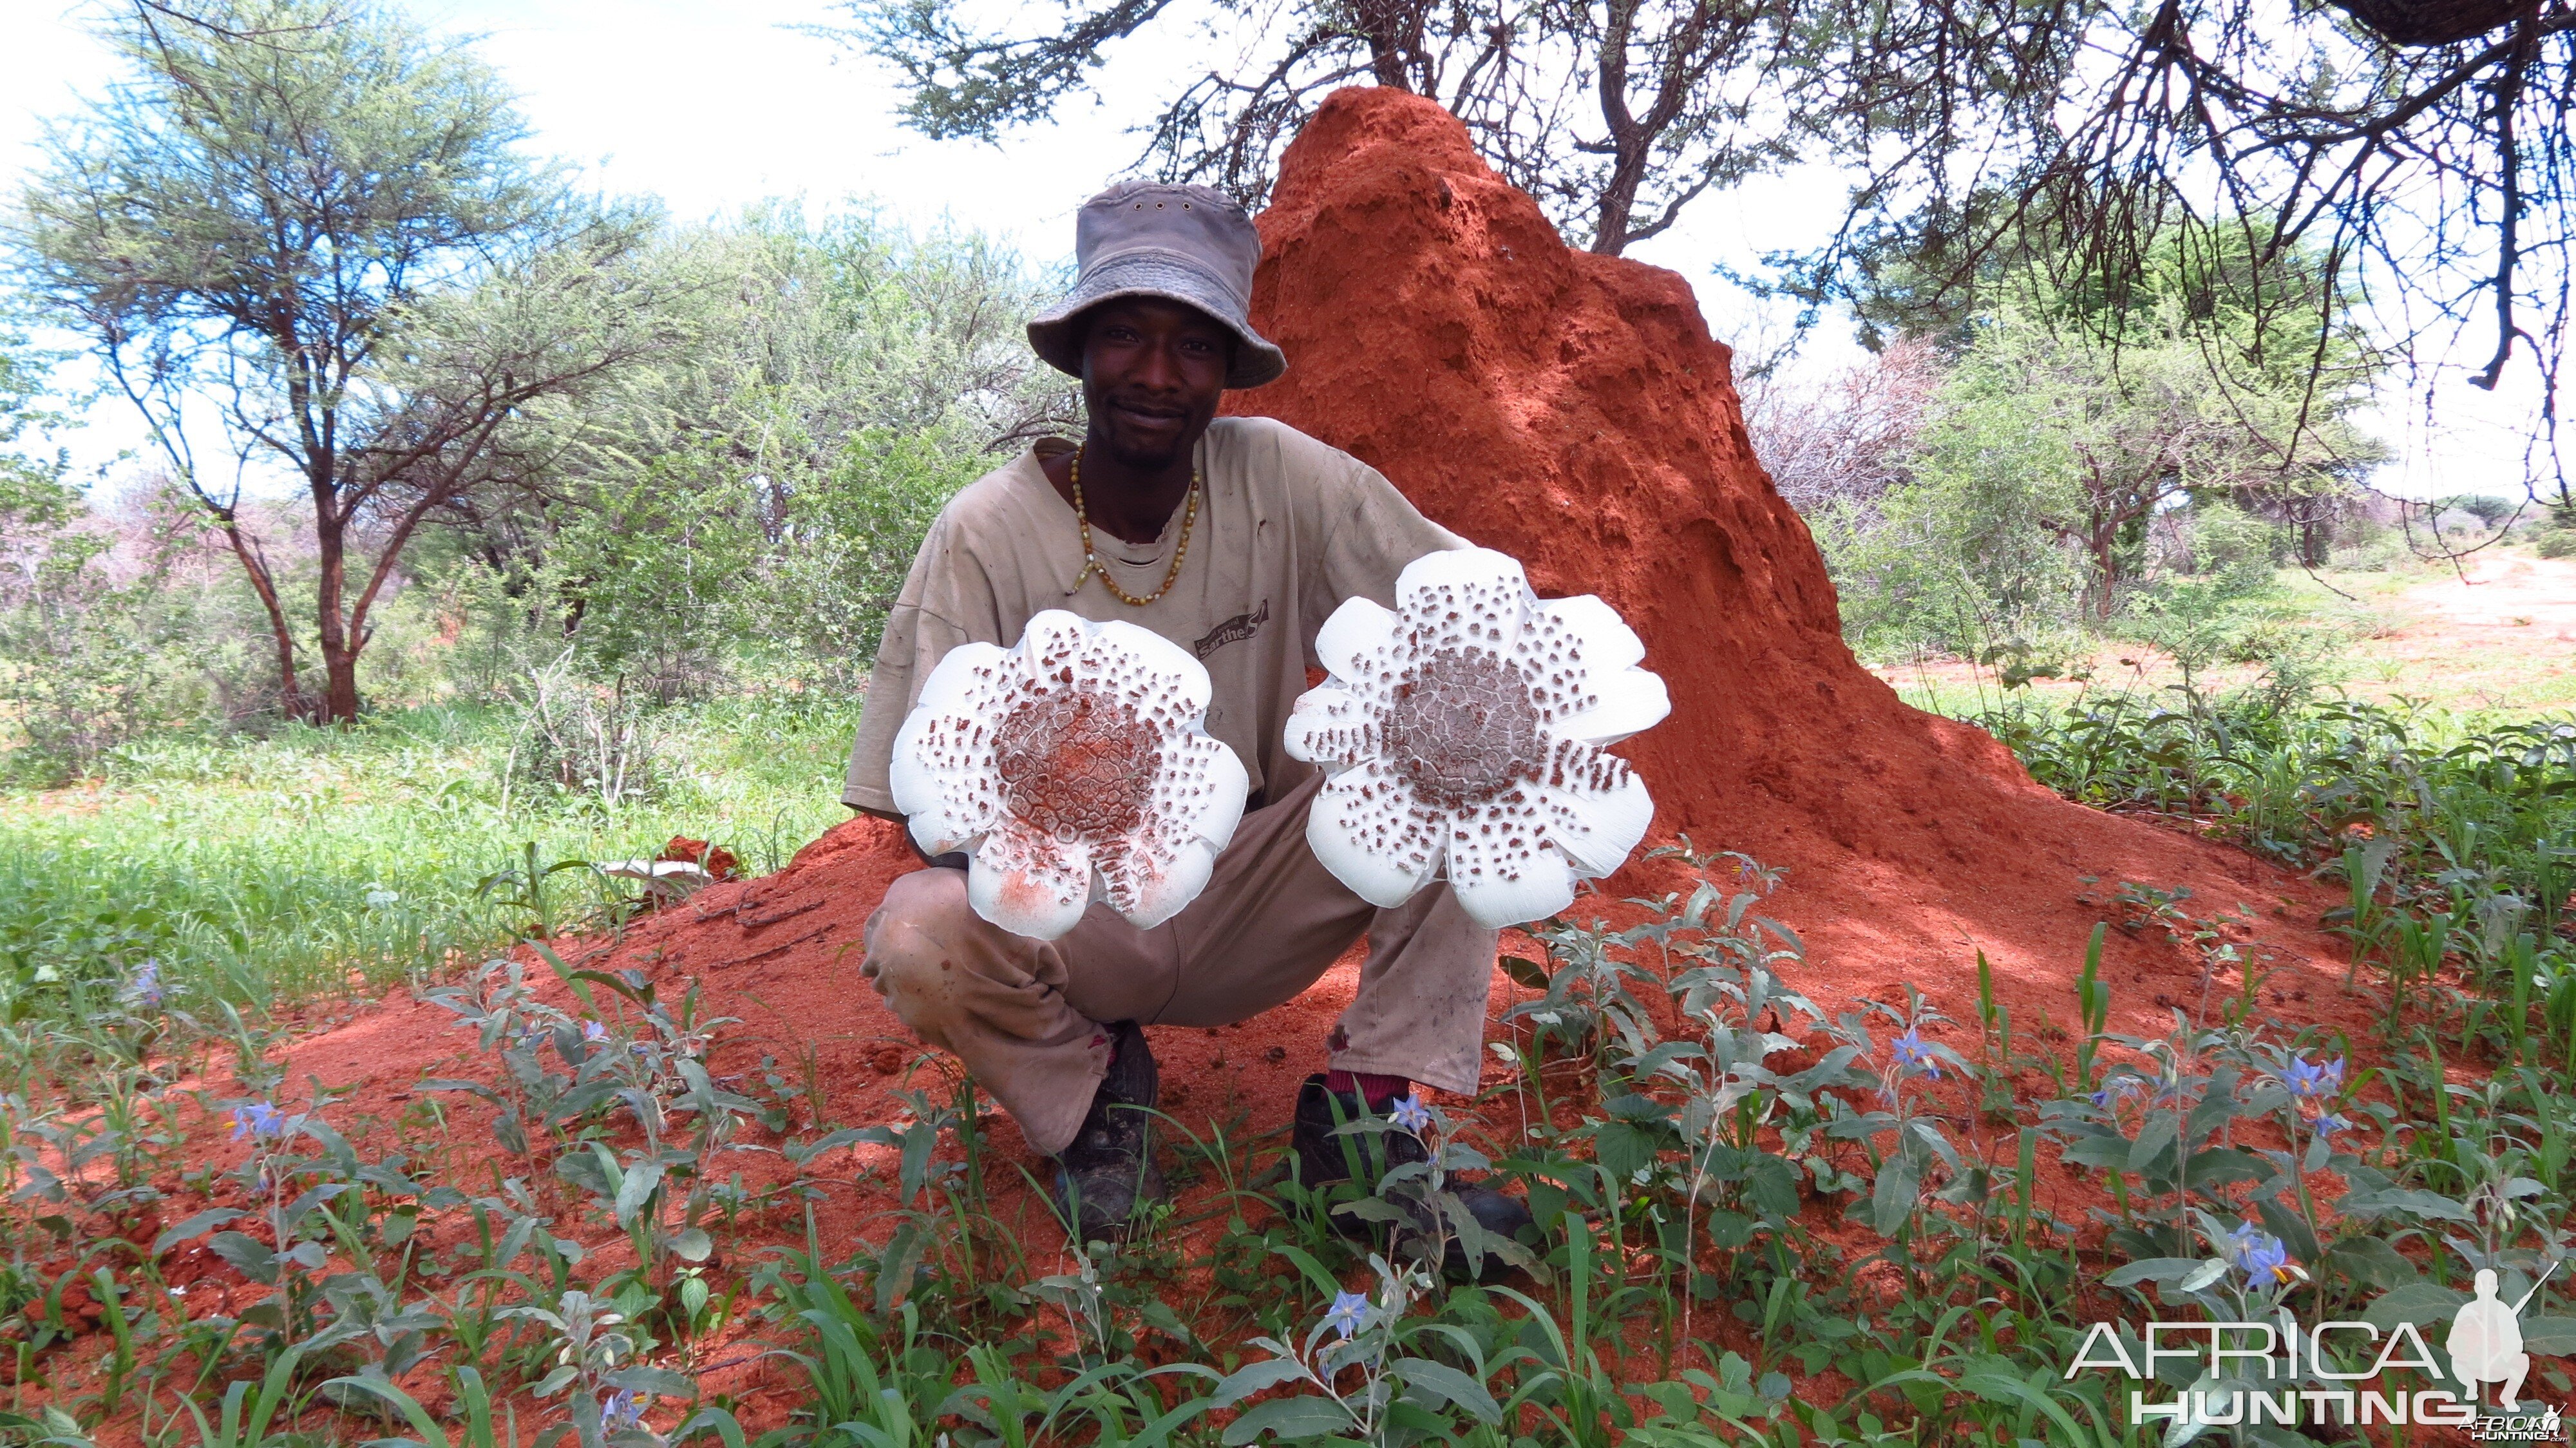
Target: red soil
<point x="1571" y="410"/>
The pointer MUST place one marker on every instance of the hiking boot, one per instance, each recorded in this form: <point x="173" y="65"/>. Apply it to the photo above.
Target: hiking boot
<point x="1324" y="1159"/>
<point x="1106" y="1180"/>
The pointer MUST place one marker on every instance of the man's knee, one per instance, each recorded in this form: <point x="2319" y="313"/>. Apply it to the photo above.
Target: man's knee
<point x="912" y="937"/>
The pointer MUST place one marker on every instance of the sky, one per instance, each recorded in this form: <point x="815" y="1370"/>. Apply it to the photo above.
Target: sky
<point x="714" y="106"/>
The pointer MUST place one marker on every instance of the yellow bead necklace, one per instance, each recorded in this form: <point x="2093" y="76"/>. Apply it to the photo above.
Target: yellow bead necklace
<point x="1091" y="560"/>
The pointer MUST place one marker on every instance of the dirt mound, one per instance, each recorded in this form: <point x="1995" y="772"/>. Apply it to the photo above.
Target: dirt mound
<point x="1573" y="411"/>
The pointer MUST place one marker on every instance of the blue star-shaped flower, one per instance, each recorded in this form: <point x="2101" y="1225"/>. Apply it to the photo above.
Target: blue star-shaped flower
<point x="1348" y="1312"/>
<point x="1912" y="1051"/>
<point x="262" y="1123"/>
<point x="2312" y="1081"/>
<point x="622" y="1410"/>
<point x="145" y="989"/>
<point x="2259" y="1255"/>
<point x="2119" y="1090"/>
<point x="1411" y="1114"/>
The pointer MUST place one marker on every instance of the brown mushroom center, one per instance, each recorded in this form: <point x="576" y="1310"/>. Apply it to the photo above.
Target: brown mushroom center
<point x="1463" y="728"/>
<point x="1077" y="764"/>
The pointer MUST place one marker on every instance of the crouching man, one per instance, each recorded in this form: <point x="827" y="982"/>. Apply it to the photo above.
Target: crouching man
<point x="1234" y="538"/>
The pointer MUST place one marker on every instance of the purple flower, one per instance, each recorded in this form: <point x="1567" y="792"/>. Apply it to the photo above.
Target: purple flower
<point x="2329" y="1124"/>
<point x="2259" y="1255"/>
<point x="593" y="1031"/>
<point x="1912" y="1051"/>
<point x="1411" y="1114"/>
<point x="2312" y="1081"/>
<point x="259" y="1121"/>
<point x="1348" y="1311"/>
<point x="145" y="989"/>
<point x="622" y="1411"/>
<point x="2116" y="1091"/>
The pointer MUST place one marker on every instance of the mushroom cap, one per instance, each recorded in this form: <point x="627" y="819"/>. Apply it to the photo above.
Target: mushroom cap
<point x="1074" y="766"/>
<point x="1463" y="731"/>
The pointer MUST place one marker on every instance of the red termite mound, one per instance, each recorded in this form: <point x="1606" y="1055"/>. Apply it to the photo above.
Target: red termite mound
<point x="1572" y="410"/>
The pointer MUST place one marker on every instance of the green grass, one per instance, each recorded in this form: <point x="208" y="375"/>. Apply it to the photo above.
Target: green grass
<point x="318" y="862"/>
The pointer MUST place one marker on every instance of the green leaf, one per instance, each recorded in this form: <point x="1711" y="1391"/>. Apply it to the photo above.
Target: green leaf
<point x="660" y="1382"/>
<point x="1251" y="1378"/>
<point x="1289" y="1418"/>
<point x="1448" y="1384"/>
<point x="2155" y="1143"/>
<point x="692" y="1245"/>
<point x="2416" y="1302"/>
<point x="2153" y="1269"/>
<point x="1528" y="973"/>
<point x="1771" y="1186"/>
<point x="1623" y="1149"/>
<point x="2368" y="1261"/>
<point x="248" y="1256"/>
<point x="2420" y="1203"/>
<point x="2226" y="1165"/>
<point x="1891" y="1201"/>
<point x="1729" y="1230"/>
<point x="192" y="1227"/>
<point x="2204" y="1276"/>
<point x="636" y="1191"/>
<point x="895" y="1268"/>
<point x="2551" y="1336"/>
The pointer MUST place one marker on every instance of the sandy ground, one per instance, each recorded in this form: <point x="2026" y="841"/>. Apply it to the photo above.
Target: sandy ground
<point x="2497" y="633"/>
<point x="2506" y="591"/>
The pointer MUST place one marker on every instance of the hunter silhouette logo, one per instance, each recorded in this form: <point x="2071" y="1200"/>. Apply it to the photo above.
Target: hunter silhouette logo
<point x="2486" y="1340"/>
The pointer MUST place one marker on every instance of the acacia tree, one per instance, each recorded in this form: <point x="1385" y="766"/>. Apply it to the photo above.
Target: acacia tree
<point x="2066" y="427"/>
<point x="2416" y="154"/>
<point x="756" y="495"/>
<point x="1616" y="114"/>
<point x="2419" y="149"/>
<point x="303" y="226"/>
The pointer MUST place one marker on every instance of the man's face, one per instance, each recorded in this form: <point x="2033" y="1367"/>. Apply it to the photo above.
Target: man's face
<point x="1152" y="371"/>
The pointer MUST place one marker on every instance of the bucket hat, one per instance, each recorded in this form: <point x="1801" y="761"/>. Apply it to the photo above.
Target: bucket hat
<point x="1192" y="244"/>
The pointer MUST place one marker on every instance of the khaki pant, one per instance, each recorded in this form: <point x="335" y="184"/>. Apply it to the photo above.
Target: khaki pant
<point x="1021" y="1013"/>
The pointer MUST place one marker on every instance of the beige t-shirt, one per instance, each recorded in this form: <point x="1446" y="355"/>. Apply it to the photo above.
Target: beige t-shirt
<point x="1287" y="528"/>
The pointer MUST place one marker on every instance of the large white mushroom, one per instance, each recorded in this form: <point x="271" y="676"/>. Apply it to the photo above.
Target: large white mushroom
<point x="1075" y="766"/>
<point x="1464" y="735"/>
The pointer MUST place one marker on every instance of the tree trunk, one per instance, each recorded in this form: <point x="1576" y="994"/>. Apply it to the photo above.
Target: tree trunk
<point x="2103" y="534"/>
<point x="1394" y="31"/>
<point x="290" y="694"/>
<point x="1627" y="143"/>
<point x="340" y="682"/>
<point x="339" y="703"/>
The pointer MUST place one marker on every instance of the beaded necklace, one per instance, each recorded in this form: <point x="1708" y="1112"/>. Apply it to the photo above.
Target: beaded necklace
<point x="1091" y="559"/>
